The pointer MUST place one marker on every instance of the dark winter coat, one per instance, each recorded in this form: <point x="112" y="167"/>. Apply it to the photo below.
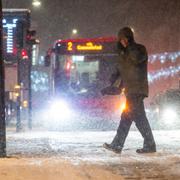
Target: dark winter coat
<point x="132" y="69"/>
<point x="131" y="72"/>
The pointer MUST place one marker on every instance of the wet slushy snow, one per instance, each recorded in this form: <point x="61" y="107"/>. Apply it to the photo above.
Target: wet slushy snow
<point x="85" y="147"/>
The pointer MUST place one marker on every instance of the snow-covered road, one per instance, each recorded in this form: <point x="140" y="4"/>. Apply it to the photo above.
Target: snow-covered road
<point x="86" y="147"/>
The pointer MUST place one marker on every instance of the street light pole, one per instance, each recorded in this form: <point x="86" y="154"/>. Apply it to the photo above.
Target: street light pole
<point x="2" y="94"/>
<point x="30" y="90"/>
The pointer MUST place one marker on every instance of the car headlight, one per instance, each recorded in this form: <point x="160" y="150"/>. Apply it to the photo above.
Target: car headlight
<point x="169" y="115"/>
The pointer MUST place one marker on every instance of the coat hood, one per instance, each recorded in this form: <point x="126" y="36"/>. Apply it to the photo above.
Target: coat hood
<point x="127" y="33"/>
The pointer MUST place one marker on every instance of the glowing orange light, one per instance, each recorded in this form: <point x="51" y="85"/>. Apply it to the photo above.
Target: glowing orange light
<point x="17" y="94"/>
<point x="123" y="107"/>
<point x="123" y="104"/>
<point x="25" y="104"/>
<point x="17" y="87"/>
<point x="89" y="47"/>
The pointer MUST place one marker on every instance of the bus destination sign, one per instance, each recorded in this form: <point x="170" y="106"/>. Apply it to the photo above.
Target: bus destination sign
<point x="88" y="47"/>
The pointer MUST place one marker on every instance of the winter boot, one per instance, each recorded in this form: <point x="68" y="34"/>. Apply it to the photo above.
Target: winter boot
<point x="114" y="148"/>
<point x="150" y="149"/>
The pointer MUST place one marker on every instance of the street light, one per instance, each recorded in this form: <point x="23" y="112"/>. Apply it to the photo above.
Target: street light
<point x="74" y="31"/>
<point x="36" y="3"/>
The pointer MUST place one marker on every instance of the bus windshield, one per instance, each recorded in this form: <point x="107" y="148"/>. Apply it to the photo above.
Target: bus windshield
<point x="83" y="75"/>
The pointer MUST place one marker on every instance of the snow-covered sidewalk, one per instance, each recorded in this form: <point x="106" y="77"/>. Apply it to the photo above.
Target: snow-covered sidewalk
<point x="53" y="154"/>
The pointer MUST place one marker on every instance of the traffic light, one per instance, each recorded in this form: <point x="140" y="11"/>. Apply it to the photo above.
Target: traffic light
<point x="24" y="54"/>
<point x="30" y="37"/>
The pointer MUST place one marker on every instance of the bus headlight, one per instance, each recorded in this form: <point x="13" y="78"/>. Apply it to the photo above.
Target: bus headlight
<point x="59" y="110"/>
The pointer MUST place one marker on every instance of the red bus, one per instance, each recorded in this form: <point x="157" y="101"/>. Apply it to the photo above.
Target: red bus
<point x="80" y="69"/>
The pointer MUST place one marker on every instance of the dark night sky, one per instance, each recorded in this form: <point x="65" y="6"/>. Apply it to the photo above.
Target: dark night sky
<point x="156" y="22"/>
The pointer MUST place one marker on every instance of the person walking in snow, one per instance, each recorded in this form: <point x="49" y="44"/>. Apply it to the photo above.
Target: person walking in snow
<point x="132" y="72"/>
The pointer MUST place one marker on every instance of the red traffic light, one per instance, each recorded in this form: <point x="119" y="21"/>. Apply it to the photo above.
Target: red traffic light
<point x="24" y="54"/>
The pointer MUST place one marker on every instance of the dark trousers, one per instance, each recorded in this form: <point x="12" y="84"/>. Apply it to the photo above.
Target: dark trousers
<point x="134" y="112"/>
